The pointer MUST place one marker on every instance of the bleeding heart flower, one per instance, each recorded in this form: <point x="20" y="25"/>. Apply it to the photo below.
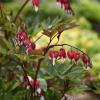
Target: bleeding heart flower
<point x="26" y="42"/>
<point x="29" y="81"/>
<point x="76" y="56"/>
<point x="36" y="4"/>
<point x="86" y="61"/>
<point x="66" y="5"/>
<point x="22" y="39"/>
<point x="89" y="63"/>
<point x="32" y="82"/>
<point x="30" y="48"/>
<point x="53" y="55"/>
<point x="42" y="97"/>
<point x="62" y="54"/>
<point x="70" y="55"/>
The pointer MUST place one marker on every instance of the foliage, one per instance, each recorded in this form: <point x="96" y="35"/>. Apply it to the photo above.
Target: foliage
<point x="20" y="71"/>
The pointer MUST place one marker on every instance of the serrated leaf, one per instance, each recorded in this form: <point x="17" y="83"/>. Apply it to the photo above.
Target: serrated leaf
<point x="25" y="57"/>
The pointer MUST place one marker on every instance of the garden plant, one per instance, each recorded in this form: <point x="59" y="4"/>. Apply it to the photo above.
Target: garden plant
<point x="49" y="72"/>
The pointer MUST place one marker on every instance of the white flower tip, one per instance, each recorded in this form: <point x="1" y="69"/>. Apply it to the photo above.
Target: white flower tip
<point x="88" y="68"/>
<point x="59" y="4"/>
<point x="39" y="90"/>
<point x="21" y="78"/>
<point x="28" y="87"/>
<point x="42" y="98"/>
<point x="30" y="78"/>
<point x="62" y="60"/>
<point x="53" y="61"/>
<point x="36" y="8"/>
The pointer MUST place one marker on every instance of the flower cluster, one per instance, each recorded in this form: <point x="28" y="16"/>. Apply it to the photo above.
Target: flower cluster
<point x="31" y="82"/>
<point x="71" y="55"/>
<point x="64" y="3"/>
<point x="22" y="39"/>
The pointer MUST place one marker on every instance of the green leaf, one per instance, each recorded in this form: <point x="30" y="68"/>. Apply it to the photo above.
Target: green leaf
<point x="25" y="57"/>
<point x="16" y="84"/>
<point x="7" y="43"/>
<point x="5" y="85"/>
<point x="43" y="84"/>
<point x="3" y="51"/>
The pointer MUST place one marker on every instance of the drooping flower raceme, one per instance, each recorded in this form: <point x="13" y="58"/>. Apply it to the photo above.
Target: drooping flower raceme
<point x="72" y="55"/>
<point x="22" y="39"/>
<point x="31" y="82"/>
<point x="66" y="5"/>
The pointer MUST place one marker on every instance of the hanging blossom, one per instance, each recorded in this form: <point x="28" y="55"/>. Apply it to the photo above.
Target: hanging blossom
<point x="62" y="54"/>
<point x="76" y="56"/>
<point x="86" y="61"/>
<point x="53" y="56"/>
<point x="22" y="40"/>
<point x="36" y="4"/>
<point x="31" y="82"/>
<point x="72" y="55"/>
<point x="66" y="5"/>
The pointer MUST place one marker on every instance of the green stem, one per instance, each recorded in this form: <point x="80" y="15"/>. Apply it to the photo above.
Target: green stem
<point x="1" y="9"/>
<point x="65" y="89"/>
<point x="20" y="10"/>
<point x="36" y="75"/>
<point x="38" y="68"/>
<point x="23" y="68"/>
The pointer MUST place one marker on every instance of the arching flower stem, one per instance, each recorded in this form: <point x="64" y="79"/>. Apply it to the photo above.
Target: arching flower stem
<point x="55" y="45"/>
<point x="20" y="10"/>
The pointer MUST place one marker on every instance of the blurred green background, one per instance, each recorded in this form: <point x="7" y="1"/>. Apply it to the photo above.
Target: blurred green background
<point x="85" y="37"/>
